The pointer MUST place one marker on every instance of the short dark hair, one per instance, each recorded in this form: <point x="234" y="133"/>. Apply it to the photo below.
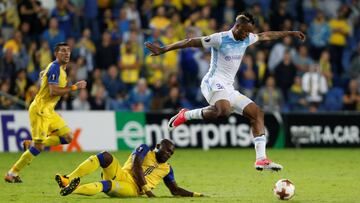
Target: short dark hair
<point x="245" y="17"/>
<point x="60" y="44"/>
<point x="166" y="141"/>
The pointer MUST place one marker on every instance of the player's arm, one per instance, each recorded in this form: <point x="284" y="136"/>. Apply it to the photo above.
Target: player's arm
<point x="53" y="75"/>
<point x="138" y="159"/>
<point x="273" y="35"/>
<point x="55" y="90"/>
<point x="178" y="191"/>
<point x="175" y="190"/>
<point x="157" y="50"/>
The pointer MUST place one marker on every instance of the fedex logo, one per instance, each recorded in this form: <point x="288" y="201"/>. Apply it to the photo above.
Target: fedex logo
<point x="14" y="133"/>
<point x="10" y="134"/>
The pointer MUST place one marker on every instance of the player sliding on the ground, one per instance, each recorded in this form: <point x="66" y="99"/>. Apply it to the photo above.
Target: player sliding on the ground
<point x="227" y="50"/>
<point x="143" y="170"/>
<point x="47" y="127"/>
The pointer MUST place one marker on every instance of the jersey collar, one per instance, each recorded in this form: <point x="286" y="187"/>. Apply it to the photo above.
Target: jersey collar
<point x="232" y="37"/>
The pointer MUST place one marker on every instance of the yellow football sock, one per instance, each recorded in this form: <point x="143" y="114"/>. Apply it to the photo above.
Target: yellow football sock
<point x="89" y="189"/>
<point x="25" y="159"/>
<point x="52" y="141"/>
<point x="86" y="167"/>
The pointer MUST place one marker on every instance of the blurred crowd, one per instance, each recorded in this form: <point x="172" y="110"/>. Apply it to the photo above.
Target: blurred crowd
<point x="107" y="37"/>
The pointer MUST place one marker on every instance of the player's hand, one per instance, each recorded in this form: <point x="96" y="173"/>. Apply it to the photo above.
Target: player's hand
<point x="81" y="84"/>
<point x="198" y="194"/>
<point x="299" y="35"/>
<point x="150" y="194"/>
<point x="155" y="49"/>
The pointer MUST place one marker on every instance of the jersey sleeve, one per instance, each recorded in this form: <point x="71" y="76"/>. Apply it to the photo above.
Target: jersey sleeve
<point x="141" y="150"/>
<point x="253" y="38"/>
<point x="211" y="41"/>
<point x="53" y="74"/>
<point x="170" y="176"/>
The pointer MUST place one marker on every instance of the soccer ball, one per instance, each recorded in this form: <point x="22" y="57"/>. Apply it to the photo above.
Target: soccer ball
<point x="284" y="189"/>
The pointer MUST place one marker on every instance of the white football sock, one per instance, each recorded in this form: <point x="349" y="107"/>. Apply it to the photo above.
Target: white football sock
<point x="193" y="114"/>
<point x="12" y="173"/>
<point x="260" y="145"/>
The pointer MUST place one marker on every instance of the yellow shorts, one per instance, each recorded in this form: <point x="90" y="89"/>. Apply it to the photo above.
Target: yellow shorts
<point x="122" y="183"/>
<point x="43" y="124"/>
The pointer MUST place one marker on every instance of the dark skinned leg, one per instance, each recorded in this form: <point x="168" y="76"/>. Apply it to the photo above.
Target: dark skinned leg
<point x="256" y="117"/>
<point x="221" y="109"/>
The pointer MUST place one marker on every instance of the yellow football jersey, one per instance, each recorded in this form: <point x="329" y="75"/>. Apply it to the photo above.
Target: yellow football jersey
<point x="154" y="172"/>
<point x="53" y="74"/>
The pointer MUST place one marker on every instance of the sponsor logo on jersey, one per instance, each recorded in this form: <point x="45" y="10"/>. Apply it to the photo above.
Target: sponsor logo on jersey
<point x="233" y="57"/>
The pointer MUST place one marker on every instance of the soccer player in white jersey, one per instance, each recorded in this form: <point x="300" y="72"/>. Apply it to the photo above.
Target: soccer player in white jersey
<point x="227" y="50"/>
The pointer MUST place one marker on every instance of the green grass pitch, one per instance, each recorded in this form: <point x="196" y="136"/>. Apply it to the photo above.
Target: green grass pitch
<point x="224" y="175"/>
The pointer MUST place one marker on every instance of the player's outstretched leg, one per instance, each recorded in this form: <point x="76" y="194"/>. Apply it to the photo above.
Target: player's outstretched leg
<point x="62" y="180"/>
<point x="12" y="176"/>
<point x="221" y="109"/>
<point x="256" y="117"/>
<point x="71" y="187"/>
<point x="178" y="119"/>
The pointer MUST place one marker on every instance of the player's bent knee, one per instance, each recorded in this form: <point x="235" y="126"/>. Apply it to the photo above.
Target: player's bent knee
<point x="223" y="113"/>
<point x="105" y="159"/>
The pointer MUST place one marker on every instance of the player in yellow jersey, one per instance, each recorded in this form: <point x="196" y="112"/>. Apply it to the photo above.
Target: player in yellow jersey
<point x="143" y="170"/>
<point x="47" y="127"/>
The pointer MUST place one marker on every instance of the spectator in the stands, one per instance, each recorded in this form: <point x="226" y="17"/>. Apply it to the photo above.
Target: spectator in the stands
<point x="64" y="13"/>
<point x="112" y="82"/>
<point x="247" y="76"/>
<point x="315" y="86"/>
<point x="285" y="73"/>
<point x="351" y="98"/>
<point x="270" y="97"/>
<point x="297" y="97"/>
<point x="32" y="12"/>
<point x="325" y="67"/>
<point x="99" y="101"/>
<point x="277" y="52"/>
<point x="81" y="102"/>
<point x="141" y="95"/>
<point x="106" y="54"/>
<point x="340" y="30"/>
<point x="53" y="34"/>
<point x="301" y="60"/>
<point x="5" y="102"/>
<point x="7" y="65"/>
<point x="318" y="33"/>
<point x="173" y="102"/>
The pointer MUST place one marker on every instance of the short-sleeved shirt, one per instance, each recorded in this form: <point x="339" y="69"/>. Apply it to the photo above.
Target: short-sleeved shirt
<point x="53" y="74"/>
<point x="226" y="54"/>
<point x="154" y="172"/>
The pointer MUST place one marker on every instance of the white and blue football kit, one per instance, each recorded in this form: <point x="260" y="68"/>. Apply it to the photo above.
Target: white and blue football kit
<point x="226" y="56"/>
